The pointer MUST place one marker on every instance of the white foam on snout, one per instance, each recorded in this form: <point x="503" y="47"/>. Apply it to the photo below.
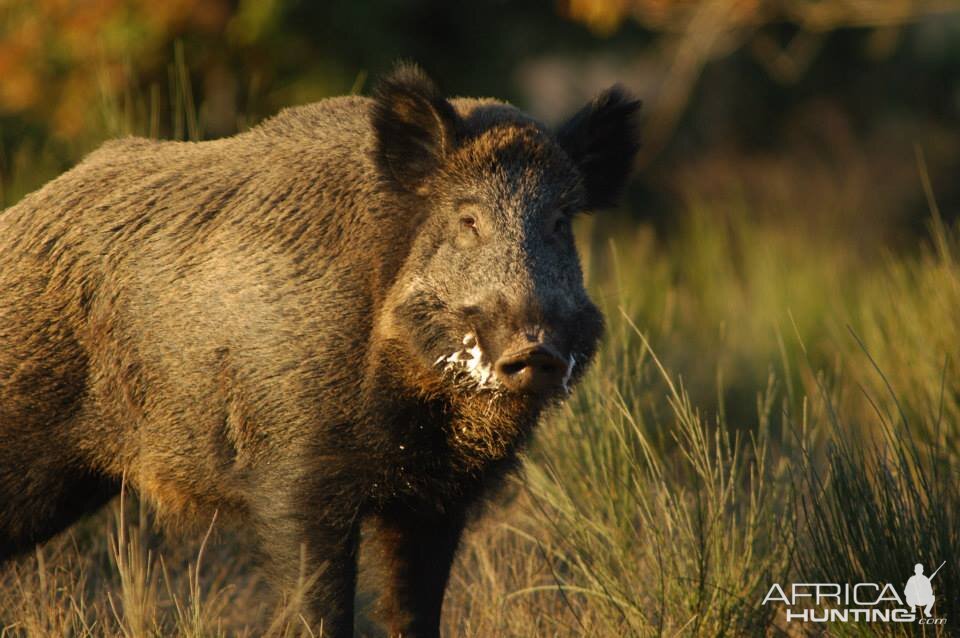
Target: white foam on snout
<point x="470" y="359"/>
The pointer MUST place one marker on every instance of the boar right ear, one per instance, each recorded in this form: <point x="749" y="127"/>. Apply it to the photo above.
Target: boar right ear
<point x="601" y="139"/>
<point x="416" y="127"/>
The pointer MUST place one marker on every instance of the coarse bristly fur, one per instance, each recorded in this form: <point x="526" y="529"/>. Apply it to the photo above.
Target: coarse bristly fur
<point x="253" y="325"/>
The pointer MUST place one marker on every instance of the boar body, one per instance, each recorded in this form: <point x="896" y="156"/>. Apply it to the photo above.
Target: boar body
<point x="261" y="326"/>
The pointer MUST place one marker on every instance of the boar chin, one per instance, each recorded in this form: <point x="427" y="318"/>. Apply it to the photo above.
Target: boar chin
<point x="492" y="426"/>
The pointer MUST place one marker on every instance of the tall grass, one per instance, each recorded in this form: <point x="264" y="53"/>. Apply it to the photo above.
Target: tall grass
<point x="875" y="510"/>
<point x="676" y="543"/>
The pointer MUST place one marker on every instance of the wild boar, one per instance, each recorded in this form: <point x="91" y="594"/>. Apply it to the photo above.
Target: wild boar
<point x="355" y="311"/>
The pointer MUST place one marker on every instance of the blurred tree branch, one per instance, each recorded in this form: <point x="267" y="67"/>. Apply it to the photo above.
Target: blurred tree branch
<point x="691" y="33"/>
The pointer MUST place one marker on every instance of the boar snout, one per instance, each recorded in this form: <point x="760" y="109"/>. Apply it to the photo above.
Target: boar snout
<point x="537" y="368"/>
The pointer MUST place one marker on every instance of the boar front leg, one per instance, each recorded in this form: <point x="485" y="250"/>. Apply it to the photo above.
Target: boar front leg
<point x="313" y="562"/>
<point x="417" y="552"/>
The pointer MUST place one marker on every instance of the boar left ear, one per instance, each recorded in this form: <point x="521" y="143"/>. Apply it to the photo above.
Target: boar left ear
<point x="602" y="140"/>
<point x="416" y="127"/>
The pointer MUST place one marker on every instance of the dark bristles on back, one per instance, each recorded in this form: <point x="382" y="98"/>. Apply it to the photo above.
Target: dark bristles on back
<point x="415" y="126"/>
<point x="602" y="139"/>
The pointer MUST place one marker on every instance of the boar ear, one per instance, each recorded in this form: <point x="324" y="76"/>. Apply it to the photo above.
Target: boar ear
<point x="601" y="139"/>
<point x="416" y="127"/>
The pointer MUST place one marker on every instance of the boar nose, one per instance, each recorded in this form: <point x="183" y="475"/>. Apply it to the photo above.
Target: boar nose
<point x="533" y="369"/>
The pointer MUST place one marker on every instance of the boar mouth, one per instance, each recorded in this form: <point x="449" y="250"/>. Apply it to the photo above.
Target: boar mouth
<point x="470" y="369"/>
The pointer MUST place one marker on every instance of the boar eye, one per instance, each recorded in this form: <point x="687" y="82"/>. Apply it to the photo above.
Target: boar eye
<point x="560" y="226"/>
<point x="469" y="222"/>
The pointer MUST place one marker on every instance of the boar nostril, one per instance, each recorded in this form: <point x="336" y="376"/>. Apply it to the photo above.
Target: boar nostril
<point x="512" y="368"/>
<point x="532" y="370"/>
